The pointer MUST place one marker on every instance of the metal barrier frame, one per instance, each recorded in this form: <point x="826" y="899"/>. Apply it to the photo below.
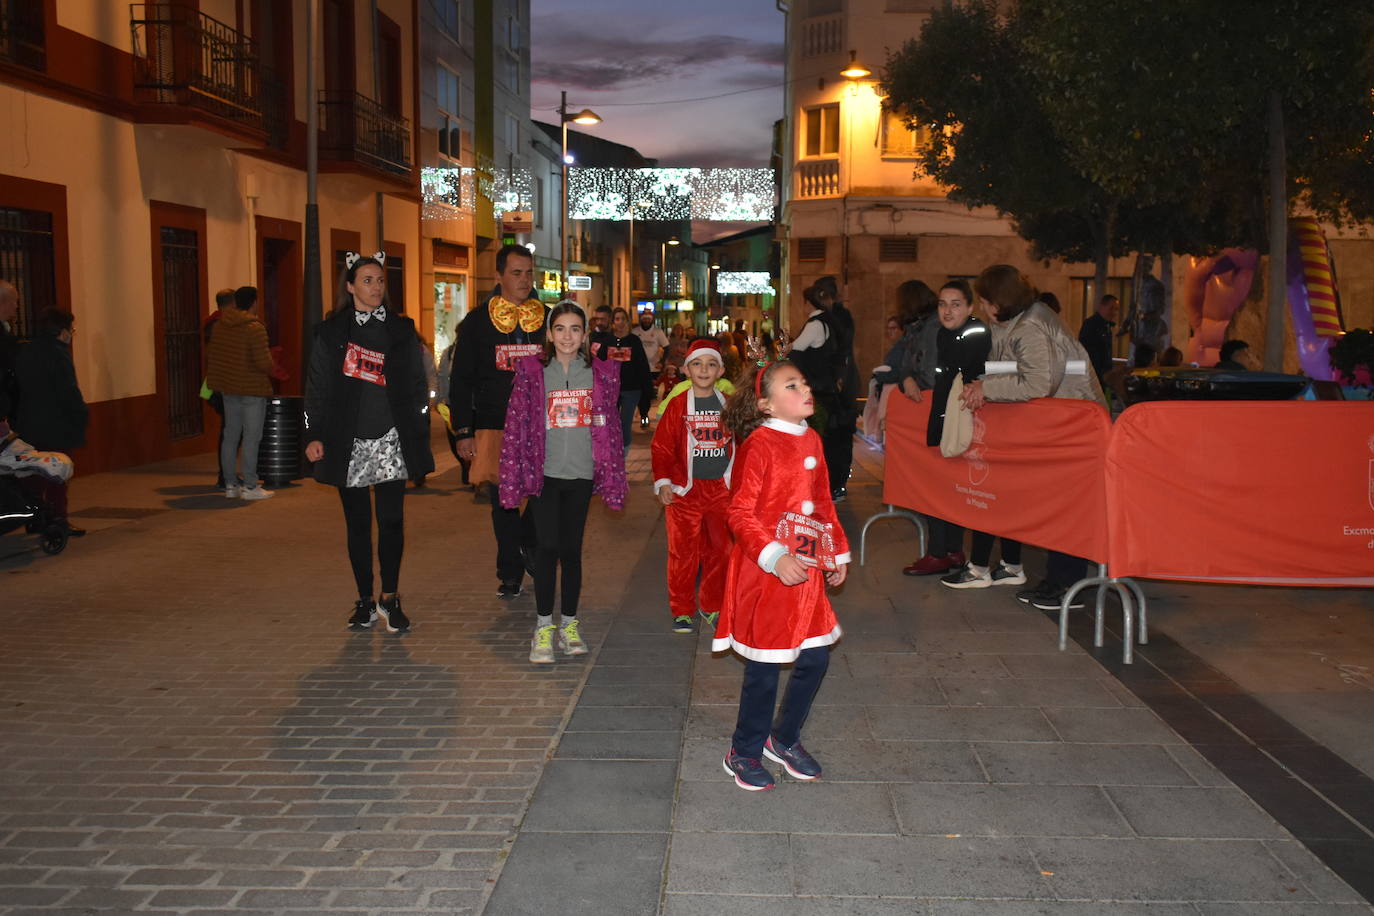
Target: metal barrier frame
<point x="1133" y="602"/>
<point x="893" y="512"/>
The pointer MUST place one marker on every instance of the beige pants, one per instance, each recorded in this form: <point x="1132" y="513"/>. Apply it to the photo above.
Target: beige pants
<point x="486" y="464"/>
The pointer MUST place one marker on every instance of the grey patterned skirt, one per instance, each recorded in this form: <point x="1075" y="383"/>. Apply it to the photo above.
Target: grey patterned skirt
<point x="376" y="461"/>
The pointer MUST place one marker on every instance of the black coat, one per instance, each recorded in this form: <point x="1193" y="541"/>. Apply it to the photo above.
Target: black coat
<point x="478" y="390"/>
<point x="9" y="352"/>
<point x="634" y="373"/>
<point x="963" y="351"/>
<point x="50" y="413"/>
<point x="331" y="398"/>
<point x="1096" y="338"/>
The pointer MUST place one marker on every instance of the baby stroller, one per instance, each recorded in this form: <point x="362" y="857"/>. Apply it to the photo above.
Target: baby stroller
<point x="21" y="506"/>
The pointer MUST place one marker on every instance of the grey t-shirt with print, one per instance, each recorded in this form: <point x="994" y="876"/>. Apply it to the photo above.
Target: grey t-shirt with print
<point x="712" y="452"/>
<point x="567" y="443"/>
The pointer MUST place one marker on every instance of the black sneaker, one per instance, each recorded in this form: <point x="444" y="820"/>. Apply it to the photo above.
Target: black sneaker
<point x="527" y="557"/>
<point x="839" y="495"/>
<point x="390" y="611"/>
<point x="364" y="612"/>
<point x="643" y="422"/>
<point x="1048" y="597"/>
<point x="748" y="772"/>
<point x="795" y="760"/>
<point x="509" y="589"/>
<point x="1027" y="595"/>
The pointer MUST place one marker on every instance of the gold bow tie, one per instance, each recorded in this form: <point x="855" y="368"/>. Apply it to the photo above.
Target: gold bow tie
<point x="505" y="314"/>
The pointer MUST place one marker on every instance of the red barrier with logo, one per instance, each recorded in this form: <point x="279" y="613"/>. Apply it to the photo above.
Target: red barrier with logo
<point x="1034" y="472"/>
<point x="1274" y="492"/>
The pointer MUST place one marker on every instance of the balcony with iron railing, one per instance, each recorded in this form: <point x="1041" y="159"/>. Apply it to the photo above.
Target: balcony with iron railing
<point x="354" y="128"/>
<point x="23" y="41"/>
<point x="186" y="59"/>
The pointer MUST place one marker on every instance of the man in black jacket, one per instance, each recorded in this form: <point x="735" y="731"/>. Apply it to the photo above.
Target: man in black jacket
<point x="1096" y="335"/>
<point x="50" y="414"/>
<point x="491" y="339"/>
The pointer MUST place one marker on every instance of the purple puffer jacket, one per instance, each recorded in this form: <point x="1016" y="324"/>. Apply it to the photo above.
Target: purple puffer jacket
<point x="522" y="446"/>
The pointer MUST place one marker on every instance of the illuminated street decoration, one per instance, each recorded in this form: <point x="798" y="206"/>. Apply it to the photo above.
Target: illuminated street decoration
<point x="744" y="282"/>
<point x="670" y="194"/>
<point x="508" y="190"/>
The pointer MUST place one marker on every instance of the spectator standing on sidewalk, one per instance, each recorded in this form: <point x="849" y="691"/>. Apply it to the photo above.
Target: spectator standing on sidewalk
<point x="655" y="342"/>
<point x="224" y="300"/>
<point x="492" y="339"/>
<point x="1027" y="333"/>
<point x="1096" y="335"/>
<point x="788" y="547"/>
<point x="239" y="367"/>
<point x="824" y="352"/>
<point x="561" y="447"/>
<point x="367" y="415"/>
<point x="692" y="454"/>
<point x="50" y="414"/>
<point x="9" y="351"/>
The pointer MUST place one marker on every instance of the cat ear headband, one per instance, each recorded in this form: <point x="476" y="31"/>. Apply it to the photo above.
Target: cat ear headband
<point x="352" y="257"/>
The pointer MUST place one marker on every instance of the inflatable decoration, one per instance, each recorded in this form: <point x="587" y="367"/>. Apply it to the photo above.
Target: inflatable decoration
<point x="1312" y="296"/>
<point x="1214" y="289"/>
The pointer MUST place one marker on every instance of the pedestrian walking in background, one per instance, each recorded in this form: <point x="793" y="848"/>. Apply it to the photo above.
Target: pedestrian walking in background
<point x="367" y="418"/>
<point x="788" y="547"/>
<point x="239" y="367"/>
<point x="824" y="352"/>
<point x="1027" y="333"/>
<point x="492" y="339"/>
<point x="561" y="447"/>
<point x="692" y="454"/>
<point x="655" y="342"/>
<point x="49" y="413"/>
<point x="625" y="350"/>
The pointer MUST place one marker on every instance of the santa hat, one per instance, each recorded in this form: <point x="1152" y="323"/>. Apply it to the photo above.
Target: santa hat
<point x="703" y="346"/>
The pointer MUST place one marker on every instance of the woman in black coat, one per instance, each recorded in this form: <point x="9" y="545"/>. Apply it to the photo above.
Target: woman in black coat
<point x="49" y="412"/>
<point x="367" y="416"/>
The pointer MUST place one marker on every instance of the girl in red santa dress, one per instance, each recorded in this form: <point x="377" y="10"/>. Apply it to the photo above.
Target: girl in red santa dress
<point x="788" y="547"/>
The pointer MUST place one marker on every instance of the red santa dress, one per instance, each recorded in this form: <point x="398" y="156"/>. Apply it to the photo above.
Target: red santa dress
<point x="698" y="534"/>
<point x="780" y="503"/>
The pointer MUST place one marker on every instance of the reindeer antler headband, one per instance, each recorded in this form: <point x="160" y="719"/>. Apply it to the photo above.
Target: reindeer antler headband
<point x="763" y="359"/>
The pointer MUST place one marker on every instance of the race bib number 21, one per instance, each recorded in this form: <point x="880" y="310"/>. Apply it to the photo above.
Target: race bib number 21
<point x="807" y="539"/>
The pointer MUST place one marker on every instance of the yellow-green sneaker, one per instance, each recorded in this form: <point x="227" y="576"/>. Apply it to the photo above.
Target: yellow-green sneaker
<point x="710" y="617"/>
<point x="683" y="625"/>
<point x="570" y="640"/>
<point x="541" y="647"/>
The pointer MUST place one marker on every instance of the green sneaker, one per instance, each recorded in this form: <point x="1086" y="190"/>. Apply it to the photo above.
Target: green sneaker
<point x="541" y="647"/>
<point x="710" y="617"/>
<point x="570" y="640"/>
<point x="683" y="625"/>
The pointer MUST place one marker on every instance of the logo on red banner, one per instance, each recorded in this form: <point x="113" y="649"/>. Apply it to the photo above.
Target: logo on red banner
<point x="809" y="540"/>
<point x="507" y="355"/>
<point x="365" y="365"/>
<point x="569" y="408"/>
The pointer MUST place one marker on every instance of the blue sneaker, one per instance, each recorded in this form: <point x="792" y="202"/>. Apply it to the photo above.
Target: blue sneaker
<point x="748" y="772"/>
<point x="795" y="760"/>
<point x="683" y="624"/>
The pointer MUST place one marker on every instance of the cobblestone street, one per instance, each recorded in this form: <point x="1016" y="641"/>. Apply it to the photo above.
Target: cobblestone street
<point x="187" y="726"/>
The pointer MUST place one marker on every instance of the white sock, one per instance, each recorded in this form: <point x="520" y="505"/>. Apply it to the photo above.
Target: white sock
<point x="543" y="620"/>
<point x="567" y="620"/>
<point x="977" y="570"/>
<point x="1012" y="567"/>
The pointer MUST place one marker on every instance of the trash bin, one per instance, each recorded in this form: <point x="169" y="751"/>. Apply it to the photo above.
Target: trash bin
<point x="282" y="449"/>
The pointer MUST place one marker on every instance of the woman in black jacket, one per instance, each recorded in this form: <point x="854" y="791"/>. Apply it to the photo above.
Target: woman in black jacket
<point x="49" y="412"/>
<point x="367" y="413"/>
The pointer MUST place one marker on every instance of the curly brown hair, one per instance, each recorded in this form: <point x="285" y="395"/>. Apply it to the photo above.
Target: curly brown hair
<point x="742" y="415"/>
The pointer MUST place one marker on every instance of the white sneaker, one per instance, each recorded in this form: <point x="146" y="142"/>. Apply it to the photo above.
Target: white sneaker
<point x="231" y="491"/>
<point x="255" y="492"/>
<point x="967" y="576"/>
<point x="570" y="640"/>
<point x="1008" y="575"/>
<point x="541" y="647"/>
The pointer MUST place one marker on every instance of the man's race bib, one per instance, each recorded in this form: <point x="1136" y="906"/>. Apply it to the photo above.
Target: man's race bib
<point x="807" y="539"/>
<point x="618" y="354"/>
<point x="365" y="365"/>
<point x="569" y="408"/>
<point x="708" y="437"/>
<point x="507" y="355"/>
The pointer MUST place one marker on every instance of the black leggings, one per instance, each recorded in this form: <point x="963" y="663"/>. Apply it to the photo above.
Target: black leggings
<point x="389" y="498"/>
<point x="982" y="550"/>
<point x="560" y="517"/>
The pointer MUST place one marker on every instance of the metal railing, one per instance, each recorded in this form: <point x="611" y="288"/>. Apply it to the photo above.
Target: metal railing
<point x="184" y="57"/>
<point x="22" y="37"/>
<point x="357" y="129"/>
<point x="818" y="178"/>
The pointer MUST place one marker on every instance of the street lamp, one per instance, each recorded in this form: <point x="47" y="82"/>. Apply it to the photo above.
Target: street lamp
<point x="585" y="116"/>
<point x="855" y="70"/>
<point x="663" y="265"/>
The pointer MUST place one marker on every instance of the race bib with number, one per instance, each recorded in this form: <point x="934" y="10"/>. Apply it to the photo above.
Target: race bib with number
<point x="507" y="355"/>
<point x="365" y="365"/>
<point x="807" y="539"/>
<point x="569" y="408"/>
<point x="708" y="436"/>
<point x="618" y="354"/>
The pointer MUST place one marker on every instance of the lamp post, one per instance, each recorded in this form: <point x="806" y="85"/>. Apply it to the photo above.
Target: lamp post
<point x="663" y="265"/>
<point x="585" y="116"/>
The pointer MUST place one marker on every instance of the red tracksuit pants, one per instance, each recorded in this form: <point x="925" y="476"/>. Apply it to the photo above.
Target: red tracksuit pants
<point x="698" y="539"/>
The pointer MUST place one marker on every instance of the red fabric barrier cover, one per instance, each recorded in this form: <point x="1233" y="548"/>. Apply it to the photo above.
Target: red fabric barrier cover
<point x="1277" y="492"/>
<point x="1033" y="473"/>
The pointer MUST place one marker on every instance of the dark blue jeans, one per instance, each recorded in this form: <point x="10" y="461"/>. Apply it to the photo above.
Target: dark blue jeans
<point x="759" y="694"/>
<point x="629" y="400"/>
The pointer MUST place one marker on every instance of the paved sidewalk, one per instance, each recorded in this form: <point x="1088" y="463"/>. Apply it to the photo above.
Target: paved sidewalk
<point x="186" y="726"/>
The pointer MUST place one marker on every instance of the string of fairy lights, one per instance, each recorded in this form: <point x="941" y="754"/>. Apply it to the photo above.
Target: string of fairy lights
<point x="745" y="195"/>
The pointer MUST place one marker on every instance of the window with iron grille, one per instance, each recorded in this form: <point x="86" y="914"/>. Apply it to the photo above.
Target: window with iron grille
<point x="181" y="312"/>
<point x="897" y="248"/>
<point x="811" y="249"/>
<point x="27" y="262"/>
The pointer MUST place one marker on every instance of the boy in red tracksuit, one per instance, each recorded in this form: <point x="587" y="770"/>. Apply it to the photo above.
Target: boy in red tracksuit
<point x="692" y="456"/>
